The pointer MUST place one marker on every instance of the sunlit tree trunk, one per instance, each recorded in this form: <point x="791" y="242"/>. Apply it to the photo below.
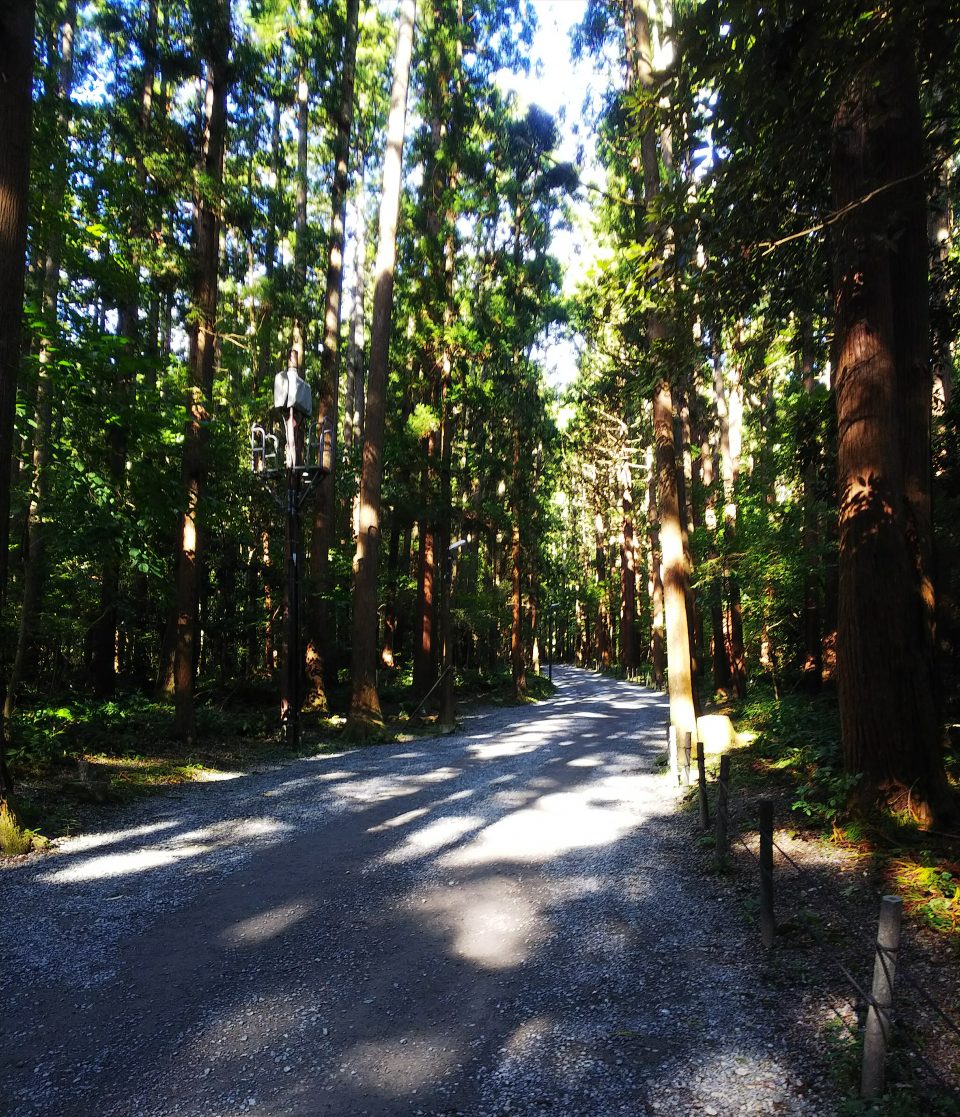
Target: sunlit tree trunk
<point x="215" y="46"/>
<point x="680" y="674"/>
<point x="674" y="562"/>
<point x="888" y="709"/>
<point x="265" y="341"/>
<point x="365" y="702"/>
<point x="353" y="380"/>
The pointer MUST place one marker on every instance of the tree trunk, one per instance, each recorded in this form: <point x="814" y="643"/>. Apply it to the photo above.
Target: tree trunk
<point x="885" y="641"/>
<point x="365" y="702"/>
<point x="516" y="625"/>
<point x="16" y="108"/>
<point x="353" y="381"/>
<point x="264" y="359"/>
<point x="675" y="573"/>
<point x="319" y="645"/>
<point x="655" y="586"/>
<point x="679" y="670"/>
<point x="423" y="651"/>
<point x="34" y="563"/>
<point x="628" y="576"/>
<point x="812" y="635"/>
<point x="103" y="631"/>
<point x="215" y="46"/>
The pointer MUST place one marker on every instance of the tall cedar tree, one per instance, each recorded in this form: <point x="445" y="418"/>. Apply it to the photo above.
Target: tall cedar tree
<point x="365" y="701"/>
<point x="885" y="641"/>
<point x="319" y="649"/>
<point x="16" y="114"/>
<point x="213" y="40"/>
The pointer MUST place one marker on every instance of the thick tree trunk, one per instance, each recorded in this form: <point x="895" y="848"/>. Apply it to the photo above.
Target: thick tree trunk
<point x="365" y="702"/>
<point x="16" y="107"/>
<point x="202" y="357"/>
<point x="319" y="645"/>
<point x="885" y="640"/>
<point x="680" y="674"/>
<point x="34" y="560"/>
<point x="674" y="564"/>
<point x="103" y="631"/>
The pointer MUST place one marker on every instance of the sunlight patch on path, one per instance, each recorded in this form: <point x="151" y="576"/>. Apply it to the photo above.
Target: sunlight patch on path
<point x="178" y="848"/>
<point x="599" y="814"/>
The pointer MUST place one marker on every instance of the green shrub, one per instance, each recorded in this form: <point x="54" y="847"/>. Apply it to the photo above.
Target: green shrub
<point x="13" y="839"/>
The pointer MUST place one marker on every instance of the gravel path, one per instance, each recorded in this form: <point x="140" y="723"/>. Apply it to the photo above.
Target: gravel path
<point x="502" y="921"/>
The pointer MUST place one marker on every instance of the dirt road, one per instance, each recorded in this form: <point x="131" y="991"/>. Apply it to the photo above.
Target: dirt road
<point x="497" y="922"/>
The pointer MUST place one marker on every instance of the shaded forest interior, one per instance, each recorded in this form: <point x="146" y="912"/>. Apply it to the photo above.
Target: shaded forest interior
<point x="750" y="488"/>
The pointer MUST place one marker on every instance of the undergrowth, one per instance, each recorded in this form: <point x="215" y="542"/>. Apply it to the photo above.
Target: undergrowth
<point x="796" y="750"/>
<point x="74" y="755"/>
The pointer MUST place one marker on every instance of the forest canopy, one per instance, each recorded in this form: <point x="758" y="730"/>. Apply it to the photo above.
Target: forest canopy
<point x="752" y="480"/>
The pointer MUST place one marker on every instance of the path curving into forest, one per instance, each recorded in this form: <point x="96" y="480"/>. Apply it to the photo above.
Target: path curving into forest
<point x="502" y="921"/>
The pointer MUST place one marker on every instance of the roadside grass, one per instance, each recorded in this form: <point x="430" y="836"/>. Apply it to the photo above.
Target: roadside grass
<point x="75" y="758"/>
<point x="795" y="754"/>
<point x="792" y="755"/>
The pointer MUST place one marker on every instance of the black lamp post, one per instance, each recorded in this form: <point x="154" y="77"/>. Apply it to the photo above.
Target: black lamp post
<point x="306" y="457"/>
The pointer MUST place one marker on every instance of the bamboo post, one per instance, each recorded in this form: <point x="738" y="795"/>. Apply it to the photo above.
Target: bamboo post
<point x="768" y="924"/>
<point x="723" y="817"/>
<point x="685" y="746"/>
<point x="702" y="788"/>
<point x="672" y="752"/>
<point x="876" y="1035"/>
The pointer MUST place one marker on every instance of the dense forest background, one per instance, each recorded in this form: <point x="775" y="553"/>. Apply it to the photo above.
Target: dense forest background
<point x="753" y="481"/>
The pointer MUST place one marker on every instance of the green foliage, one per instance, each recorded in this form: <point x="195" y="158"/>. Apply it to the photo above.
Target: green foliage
<point x="930" y="889"/>
<point x="14" y="840"/>
<point x="798" y="741"/>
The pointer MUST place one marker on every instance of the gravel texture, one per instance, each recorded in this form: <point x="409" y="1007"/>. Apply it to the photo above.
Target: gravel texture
<point x="503" y="921"/>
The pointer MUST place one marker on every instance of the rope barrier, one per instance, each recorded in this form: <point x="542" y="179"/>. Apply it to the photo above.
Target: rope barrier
<point x="906" y="978"/>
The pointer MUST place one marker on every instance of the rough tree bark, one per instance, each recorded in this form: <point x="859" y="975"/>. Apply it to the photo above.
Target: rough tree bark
<point x="16" y="109"/>
<point x="889" y="718"/>
<point x="318" y="618"/>
<point x="215" y="47"/>
<point x="365" y="702"/>
<point x="34" y="559"/>
<point x="812" y="634"/>
<point x="103" y="631"/>
<point x="675" y="573"/>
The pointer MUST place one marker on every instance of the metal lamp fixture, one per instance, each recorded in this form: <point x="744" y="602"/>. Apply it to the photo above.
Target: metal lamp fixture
<point x="290" y="455"/>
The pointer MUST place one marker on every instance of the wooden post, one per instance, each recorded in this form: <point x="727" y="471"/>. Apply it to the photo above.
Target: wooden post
<point x="768" y="924"/>
<point x="723" y="817"/>
<point x="876" y="1035"/>
<point x="685" y="746"/>
<point x="702" y="788"/>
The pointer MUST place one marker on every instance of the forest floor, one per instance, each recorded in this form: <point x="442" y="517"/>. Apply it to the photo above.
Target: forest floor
<point x="512" y="919"/>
